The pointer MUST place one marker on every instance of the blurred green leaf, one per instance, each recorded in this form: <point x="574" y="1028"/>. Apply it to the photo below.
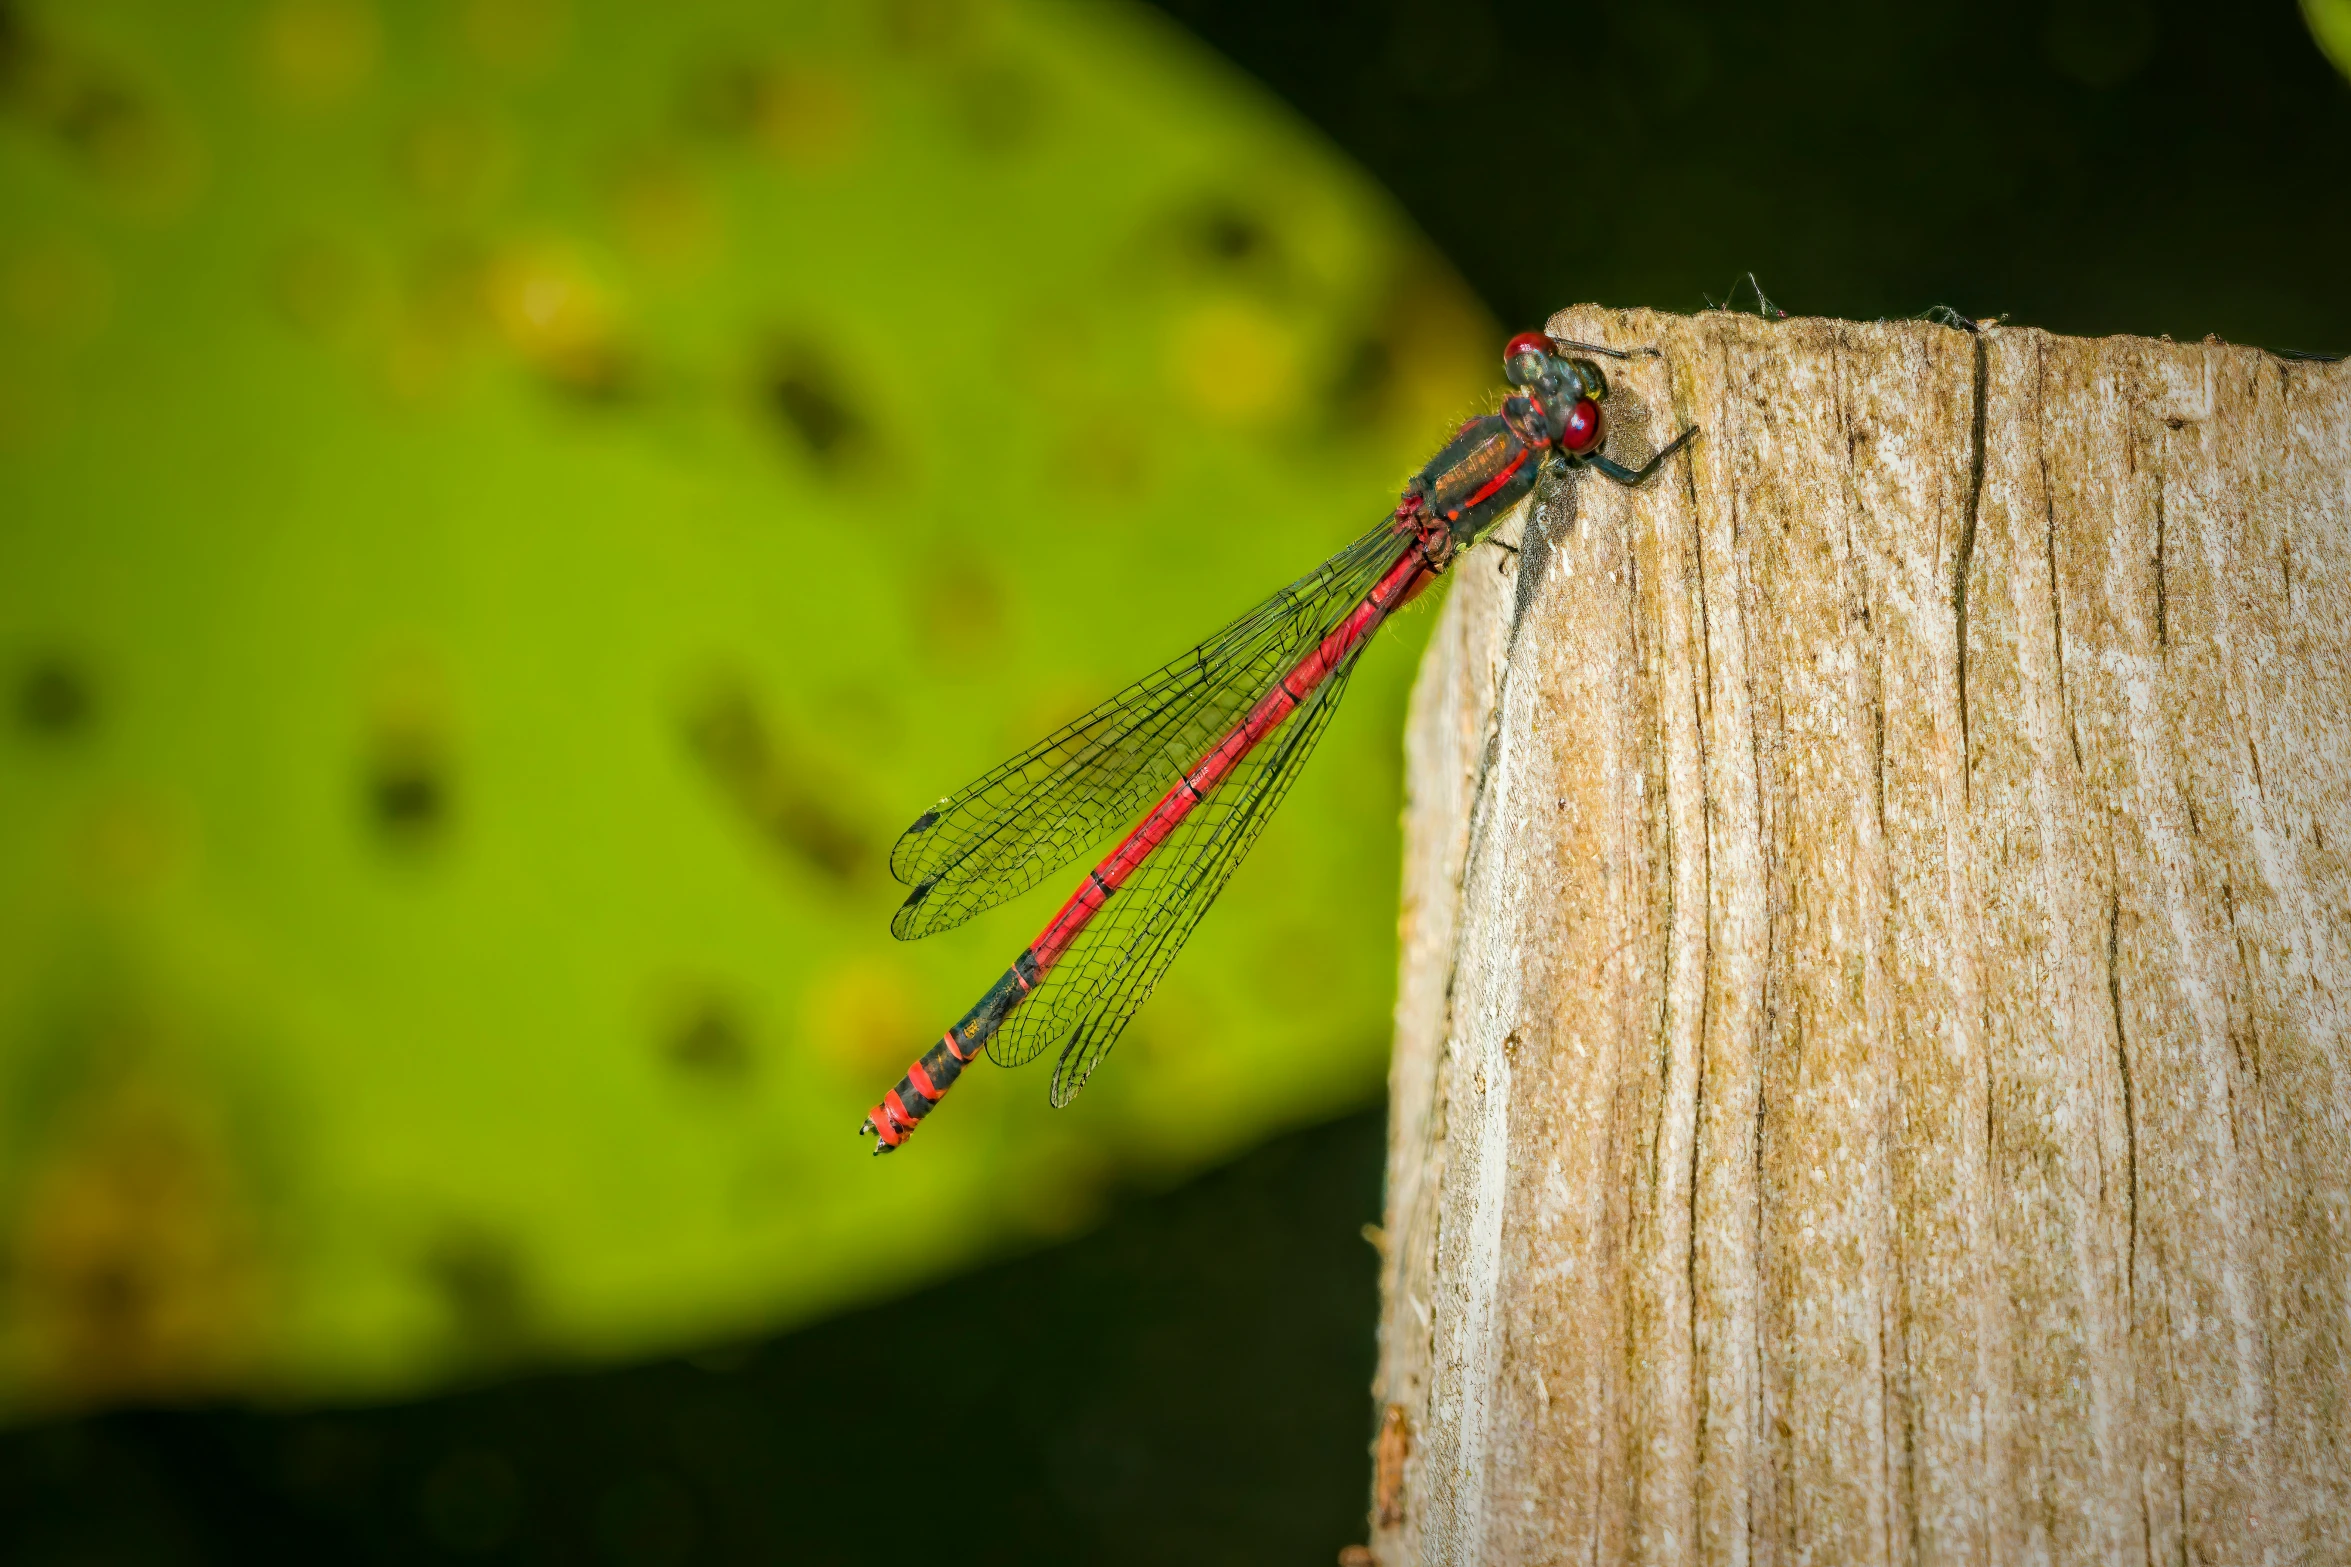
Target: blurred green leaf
<point x="511" y="506"/>
<point x="2330" y="24"/>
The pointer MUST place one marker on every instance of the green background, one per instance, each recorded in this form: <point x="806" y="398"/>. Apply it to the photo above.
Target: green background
<point x="511" y="506"/>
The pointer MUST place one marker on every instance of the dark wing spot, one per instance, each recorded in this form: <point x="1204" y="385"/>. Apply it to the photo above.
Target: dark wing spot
<point x="925" y="822"/>
<point x="53" y="698"/>
<point x="922" y="890"/>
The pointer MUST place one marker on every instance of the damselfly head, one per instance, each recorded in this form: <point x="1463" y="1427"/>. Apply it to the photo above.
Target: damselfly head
<point x="1565" y="391"/>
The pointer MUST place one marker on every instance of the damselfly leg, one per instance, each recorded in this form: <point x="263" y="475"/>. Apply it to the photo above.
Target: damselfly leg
<point x="1643" y="352"/>
<point x="1632" y="476"/>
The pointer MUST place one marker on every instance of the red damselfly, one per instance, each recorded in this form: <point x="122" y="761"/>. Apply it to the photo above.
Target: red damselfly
<point x="1209" y="743"/>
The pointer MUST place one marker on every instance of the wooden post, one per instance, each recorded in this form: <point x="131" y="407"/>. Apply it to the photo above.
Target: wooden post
<point x="1871" y="1079"/>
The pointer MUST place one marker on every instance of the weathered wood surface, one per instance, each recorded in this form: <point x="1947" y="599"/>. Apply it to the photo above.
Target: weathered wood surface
<point x="1870" y="1080"/>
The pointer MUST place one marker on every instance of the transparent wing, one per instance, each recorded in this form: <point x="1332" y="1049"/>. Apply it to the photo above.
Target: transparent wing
<point x="1088" y="998"/>
<point x="1007" y="830"/>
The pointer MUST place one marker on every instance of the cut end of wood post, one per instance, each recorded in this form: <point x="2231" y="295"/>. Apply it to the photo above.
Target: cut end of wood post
<point x="1870" y="1080"/>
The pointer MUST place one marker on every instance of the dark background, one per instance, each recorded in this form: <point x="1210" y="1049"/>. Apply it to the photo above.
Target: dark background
<point x="2090" y="166"/>
<point x="1191" y="1382"/>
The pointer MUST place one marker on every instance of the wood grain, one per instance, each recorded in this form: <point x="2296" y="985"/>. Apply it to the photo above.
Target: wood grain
<point x="1869" y="1079"/>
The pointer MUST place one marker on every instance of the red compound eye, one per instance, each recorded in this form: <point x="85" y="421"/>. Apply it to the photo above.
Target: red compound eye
<point x="1526" y="343"/>
<point x="1582" y="431"/>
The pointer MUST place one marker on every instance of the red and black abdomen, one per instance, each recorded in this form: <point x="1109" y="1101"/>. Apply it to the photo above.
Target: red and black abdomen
<point x="1476" y="477"/>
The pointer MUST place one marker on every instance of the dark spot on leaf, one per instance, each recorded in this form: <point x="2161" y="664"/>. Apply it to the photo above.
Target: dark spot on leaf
<point x="89" y="110"/>
<point x="17" y="52"/>
<point x="53" y="698"/>
<point x="806" y="396"/>
<point x="1003" y="107"/>
<point x="710" y="1041"/>
<point x="1364" y="382"/>
<point x="1222" y="240"/>
<point x="1232" y="236"/>
<point x="408" y="794"/>
<point x="722" y="98"/>
<point x="776" y="787"/>
<point x="805" y="112"/>
<point x="97" y="117"/>
<point x="933" y="28"/>
<point x="479" y="1279"/>
<point x="601" y="374"/>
